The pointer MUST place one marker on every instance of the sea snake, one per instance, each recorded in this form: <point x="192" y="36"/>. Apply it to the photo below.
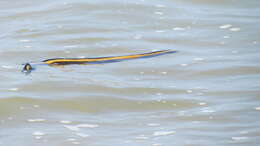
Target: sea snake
<point x="97" y="60"/>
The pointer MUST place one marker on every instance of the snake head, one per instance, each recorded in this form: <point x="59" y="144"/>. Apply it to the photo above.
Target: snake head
<point x="27" y="68"/>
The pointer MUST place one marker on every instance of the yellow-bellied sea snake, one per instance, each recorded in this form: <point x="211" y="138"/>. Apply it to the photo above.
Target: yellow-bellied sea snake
<point x="66" y="61"/>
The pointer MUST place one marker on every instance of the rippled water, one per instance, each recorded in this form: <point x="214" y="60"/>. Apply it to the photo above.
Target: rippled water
<point x="206" y="94"/>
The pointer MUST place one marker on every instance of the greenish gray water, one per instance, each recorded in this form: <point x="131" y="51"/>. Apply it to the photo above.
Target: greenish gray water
<point x="206" y="94"/>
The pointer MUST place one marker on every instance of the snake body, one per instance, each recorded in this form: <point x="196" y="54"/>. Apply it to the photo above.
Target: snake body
<point x="66" y="61"/>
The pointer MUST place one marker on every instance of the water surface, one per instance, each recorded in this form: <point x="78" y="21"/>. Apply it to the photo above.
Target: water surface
<point x="206" y="94"/>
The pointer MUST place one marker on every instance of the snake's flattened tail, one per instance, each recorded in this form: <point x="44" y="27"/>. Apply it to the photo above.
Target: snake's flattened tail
<point x="65" y="61"/>
<point x="156" y="53"/>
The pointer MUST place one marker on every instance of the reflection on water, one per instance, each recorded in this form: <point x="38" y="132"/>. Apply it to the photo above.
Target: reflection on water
<point x="206" y="94"/>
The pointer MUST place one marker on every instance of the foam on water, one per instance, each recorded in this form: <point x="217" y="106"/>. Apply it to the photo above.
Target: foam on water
<point x="36" y="120"/>
<point x="163" y="133"/>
